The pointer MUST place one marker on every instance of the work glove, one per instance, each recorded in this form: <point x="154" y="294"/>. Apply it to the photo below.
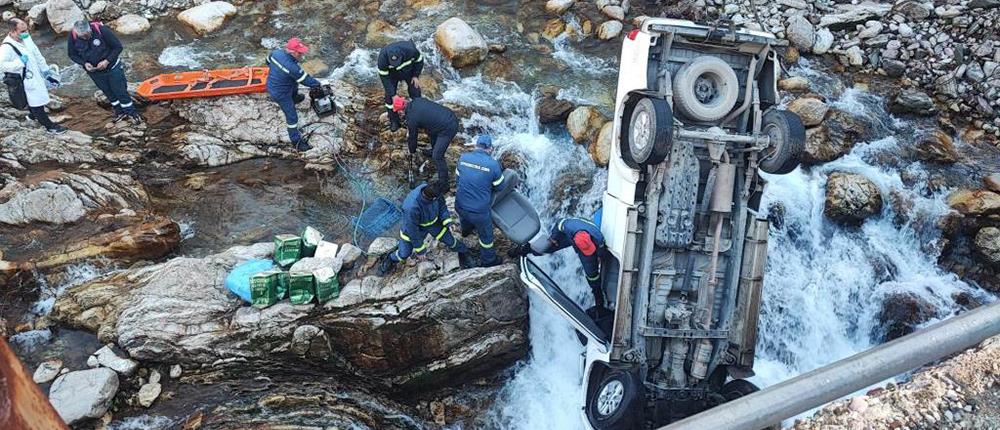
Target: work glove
<point x="24" y="58"/>
<point x="316" y="93"/>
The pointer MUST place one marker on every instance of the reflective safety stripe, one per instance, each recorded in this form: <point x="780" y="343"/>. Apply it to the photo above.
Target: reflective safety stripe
<point x="383" y="72"/>
<point x="128" y="105"/>
<point x="388" y="106"/>
<point x="404" y="236"/>
<point x="422" y="247"/>
<point x="114" y="103"/>
<point x="303" y="77"/>
<point x="447" y="221"/>
<point x="561" y="224"/>
<point x="485" y="245"/>
<point x="398" y="258"/>
<point x="430" y="223"/>
<point x="498" y="181"/>
<point x="296" y="125"/>
<point x="420" y="57"/>
<point x="270" y="60"/>
<point x="441" y="233"/>
<point x="594" y="278"/>
<point x="579" y="219"/>
<point x="404" y="64"/>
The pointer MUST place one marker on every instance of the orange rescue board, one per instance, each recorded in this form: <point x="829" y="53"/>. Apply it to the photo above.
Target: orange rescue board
<point x="206" y="83"/>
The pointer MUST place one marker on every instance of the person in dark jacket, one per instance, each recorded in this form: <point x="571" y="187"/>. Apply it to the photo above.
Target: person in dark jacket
<point x="283" y="81"/>
<point x="478" y="175"/>
<point x="96" y="48"/>
<point x="587" y="241"/>
<point x="424" y="213"/>
<point x="440" y="124"/>
<point x="399" y="62"/>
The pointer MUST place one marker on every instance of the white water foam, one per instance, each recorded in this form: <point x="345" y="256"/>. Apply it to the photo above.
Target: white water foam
<point x="578" y="61"/>
<point x="180" y="56"/>
<point x="142" y="422"/>
<point x="75" y="275"/>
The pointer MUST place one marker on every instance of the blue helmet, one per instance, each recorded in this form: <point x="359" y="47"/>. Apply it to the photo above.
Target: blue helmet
<point x="484" y="141"/>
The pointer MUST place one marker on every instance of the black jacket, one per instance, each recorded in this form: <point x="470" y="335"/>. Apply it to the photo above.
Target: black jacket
<point x="102" y="45"/>
<point x="433" y="118"/>
<point x="411" y="63"/>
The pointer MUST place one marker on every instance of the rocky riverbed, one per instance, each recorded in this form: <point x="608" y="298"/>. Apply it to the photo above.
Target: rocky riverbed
<point x="117" y="240"/>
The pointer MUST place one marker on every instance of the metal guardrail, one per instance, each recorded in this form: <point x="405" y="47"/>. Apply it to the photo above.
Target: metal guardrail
<point x="831" y="382"/>
<point x="22" y="404"/>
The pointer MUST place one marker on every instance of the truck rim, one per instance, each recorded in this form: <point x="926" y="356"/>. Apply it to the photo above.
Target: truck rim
<point x="610" y="398"/>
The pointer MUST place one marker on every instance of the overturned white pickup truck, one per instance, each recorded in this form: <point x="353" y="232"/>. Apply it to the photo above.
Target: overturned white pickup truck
<point x="695" y="119"/>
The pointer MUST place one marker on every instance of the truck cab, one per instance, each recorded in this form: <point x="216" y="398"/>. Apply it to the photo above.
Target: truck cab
<point x="695" y="121"/>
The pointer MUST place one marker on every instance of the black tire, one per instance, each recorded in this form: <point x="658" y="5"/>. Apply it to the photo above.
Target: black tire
<point x="788" y="141"/>
<point x="706" y="89"/>
<point x="649" y="134"/>
<point x="614" y="403"/>
<point x="737" y="388"/>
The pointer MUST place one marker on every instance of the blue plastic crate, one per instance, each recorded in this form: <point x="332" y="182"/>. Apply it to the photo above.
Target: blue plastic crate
<point x="378" y="217"/>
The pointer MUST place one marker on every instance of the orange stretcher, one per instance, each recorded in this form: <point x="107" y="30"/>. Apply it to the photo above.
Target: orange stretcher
<point x="206" y="83"/>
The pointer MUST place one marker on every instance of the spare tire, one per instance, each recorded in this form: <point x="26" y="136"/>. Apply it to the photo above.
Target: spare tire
<point x="647" y="135"/>
<point x="706" y="89"/>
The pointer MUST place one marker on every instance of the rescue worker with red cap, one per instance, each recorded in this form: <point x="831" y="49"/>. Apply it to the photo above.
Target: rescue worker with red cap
<point x="424" y="213"/>
<point x="399" y="62"/>
<point x="586" y="239"/>
<point x="283" y="85"/>
<point x="440" y="124"/>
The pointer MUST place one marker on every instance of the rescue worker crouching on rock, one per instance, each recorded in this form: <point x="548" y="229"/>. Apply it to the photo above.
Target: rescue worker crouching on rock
<point x="424" y="213"/>
<point x="399" y="62"/>
<point x="440" y="124"/>
<point x="20" y="56"/>
<point x="587" y="240"/>
<point x="96" y="48"/>
<point x="283" y="81"/>
<point x="478" y="175"/>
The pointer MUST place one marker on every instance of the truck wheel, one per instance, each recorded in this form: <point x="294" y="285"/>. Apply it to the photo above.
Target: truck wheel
<point x="612" y="404"/>
<point x="788" y="141"/>
<point x="706" y="89"/>
<point x="647" y="138"/>
<point x="737" y="388"/>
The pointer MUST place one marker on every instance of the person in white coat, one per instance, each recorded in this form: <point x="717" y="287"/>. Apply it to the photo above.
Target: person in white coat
<point x="18" y="54"/>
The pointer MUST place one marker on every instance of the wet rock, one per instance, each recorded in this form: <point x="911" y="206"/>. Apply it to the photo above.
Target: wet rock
<point x="992" y="182"/>
<point x="975" y="202"/>
<point x="600" y="150"/>
<point x="83" y="394"/>
<point x="851" y="14"/>
<point x="59" y="197"/>
<point x="584" y="123"/>
<point x="130" y="24"/>
<point x="379" y="33"/>
<point x="460" y="43"/>
<point x="937" y="147"/>
<point x="47" y="371"/>
<point x="811" y="110"/>
<point x="558" y="6"/>
<point x="851" y="198"/>
<point x="62" y="14"/>
<point x="800" y="32"/>
<point x="913" y="9"/>
<point x="176" y="371"/>
<point x="501" y="68"/>
<point x="553" y="28"/>
<point x="550" y="109"/>
<point x="902" y="313"/>
<point x="912" y="101"/>
<point x="987" y="243"/>
<point x="381" y="245"/>
<point x="794" y="84"/>
<point x="207" y="17"/>
<point x="107" y="357"/>
<point x="148" y="393"/>
<point x="404" y="330"/>
<point x="609" y="30"/>
<point x="29" y="144"/>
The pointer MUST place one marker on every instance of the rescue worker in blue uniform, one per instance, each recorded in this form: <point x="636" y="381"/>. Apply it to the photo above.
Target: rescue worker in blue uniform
<point x="96" y="48"/>
<point x="424" y="213"/>
<point x="478" y="175"/>
<point x="587" y="241"/>
<point x="283" y="81"/>
<point x="399" y="62"/>
<point x="440" y="124"/>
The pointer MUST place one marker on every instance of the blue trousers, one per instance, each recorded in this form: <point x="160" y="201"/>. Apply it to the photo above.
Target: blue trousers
<point x="483" y="225"/>
<point x="286" y="101"/>
<point x="113" y="84"/>
<point x="438" y="230"/>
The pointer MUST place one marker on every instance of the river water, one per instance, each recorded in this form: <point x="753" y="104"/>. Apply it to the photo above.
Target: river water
<point x="824" y="285"/>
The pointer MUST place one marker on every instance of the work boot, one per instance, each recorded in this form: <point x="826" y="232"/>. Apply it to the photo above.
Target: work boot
<point x="385" y="265"/>
<point x="120" y="118"/>
<point x="465" y="260"/>
<point x="496" y="262"/>
<point x="56" y="129"/>
<point x="302" y="145"/>
<point x="136" y="119"/>
<point x="467" y="230"/>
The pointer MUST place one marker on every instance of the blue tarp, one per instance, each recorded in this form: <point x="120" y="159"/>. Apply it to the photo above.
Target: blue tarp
<point x="238" y="281"/>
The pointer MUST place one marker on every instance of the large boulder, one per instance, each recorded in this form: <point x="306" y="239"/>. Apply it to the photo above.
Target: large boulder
<point x="810" y="110"/>
<point x="849" y="15"/>
<point x="207" y="17"/>
<point x="551" y="109"/>
<point x="912" y="101"/>
<point x="130" y="24"/>
<point x="902" y="314"/>
<point x="59" y="197"/>
<point x="800" y="32"/>
<point x="851" y="198"/>
<point x="937" y="147"/>
<point x="584" y="123"/>
<point x="609" y="29"/>
<point x="83" y="394"/>
<point x="26" y="144"/>
<point x="405" y="331"/>
<point x="600" y="150"/>
<point x="975" y="202"/>
<point x="987" y="243"/>
<point x="460" y="43"/>
<point x="835" y="136"/>
<point x="62" y="14"/>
